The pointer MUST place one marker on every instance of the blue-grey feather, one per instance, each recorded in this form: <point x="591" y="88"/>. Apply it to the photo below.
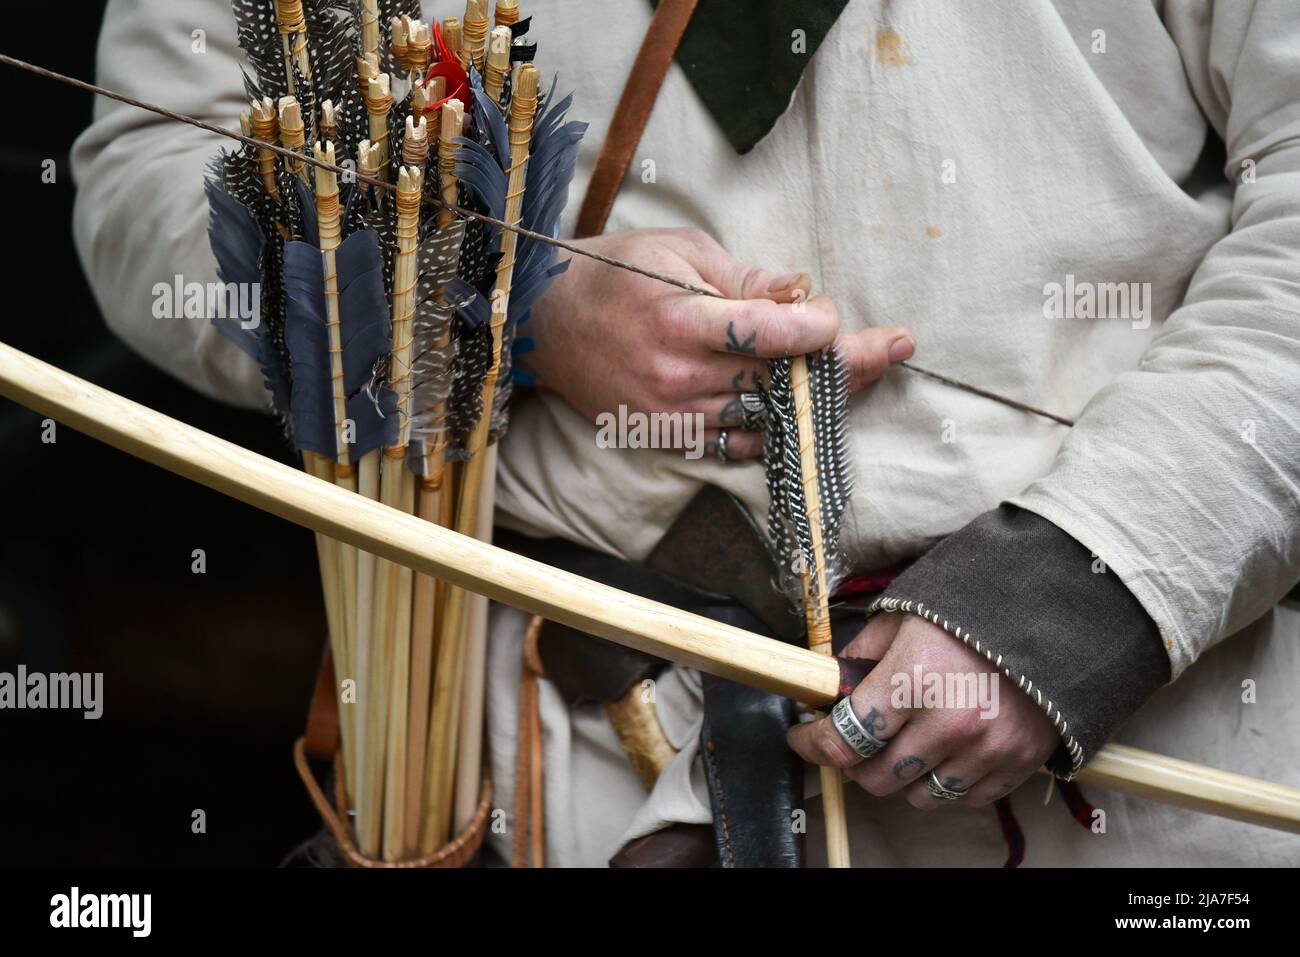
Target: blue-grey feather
<point x="238" y="246"/>
<point x="472" y="307"/>
<point x="477" y="169"/>
<point x="553" y="159"/>
<point x="364" y="333"/>
<point x="489" y="119"/>
<point x="531" y="287"/>
<point x="307" y="208"/>
<point x="307" y="338"/>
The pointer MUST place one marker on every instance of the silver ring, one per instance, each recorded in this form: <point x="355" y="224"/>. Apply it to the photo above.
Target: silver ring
<point x="944" y="793"/>
<point x="722" y="446"/>
<point x="855" y="735"/>
<point x="753" y="411"/>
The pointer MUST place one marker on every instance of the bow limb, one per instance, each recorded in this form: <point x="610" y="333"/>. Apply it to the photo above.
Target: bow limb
<point x="621" y="617"/>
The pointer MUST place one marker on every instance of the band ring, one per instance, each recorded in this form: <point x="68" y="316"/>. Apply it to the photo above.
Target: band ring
<point x="753" y="411"/>
<point x="943" y="793"/>
<point x="855" y="735"/>
<point x="722" y="446"/>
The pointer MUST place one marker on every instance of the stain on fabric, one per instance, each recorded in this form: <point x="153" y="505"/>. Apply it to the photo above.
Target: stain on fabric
<point x="892" y="48"/>
<point x="933" y="232"/>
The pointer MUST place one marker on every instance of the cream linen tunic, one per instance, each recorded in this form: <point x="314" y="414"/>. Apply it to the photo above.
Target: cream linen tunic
<point x="941" y="165"/>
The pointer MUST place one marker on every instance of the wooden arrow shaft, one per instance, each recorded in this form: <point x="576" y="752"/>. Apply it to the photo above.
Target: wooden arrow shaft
<point x="627" y="619"/>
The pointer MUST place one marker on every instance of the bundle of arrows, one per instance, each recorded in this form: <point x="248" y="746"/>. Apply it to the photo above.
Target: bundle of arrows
<point x="387" y="324"/>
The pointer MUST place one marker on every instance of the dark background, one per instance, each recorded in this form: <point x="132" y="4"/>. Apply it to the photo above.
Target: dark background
<point x="206" y="677"/>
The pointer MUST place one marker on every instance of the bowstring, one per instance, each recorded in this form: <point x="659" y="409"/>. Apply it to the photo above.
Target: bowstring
<point x="352" y="175"/>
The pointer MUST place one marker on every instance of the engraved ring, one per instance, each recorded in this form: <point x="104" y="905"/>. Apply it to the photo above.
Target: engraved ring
<point x="855" y="735"/>
<point x="753" y="411"/>
<point x="943" y="793"/>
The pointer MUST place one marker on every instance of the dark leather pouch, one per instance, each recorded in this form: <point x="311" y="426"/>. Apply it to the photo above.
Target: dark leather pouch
<point x="714" y="561"/>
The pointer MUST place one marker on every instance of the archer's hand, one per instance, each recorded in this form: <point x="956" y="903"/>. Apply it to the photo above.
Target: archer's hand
<point x="988" y="756"/>
<point x="605" y="336"/>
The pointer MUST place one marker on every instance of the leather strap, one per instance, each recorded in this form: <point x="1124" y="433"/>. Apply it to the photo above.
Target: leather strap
<point x="677" y="845"/>
<point x="529" y="794"/>
<point x="458" y="853"/>
<point x="633" y="112"/>
<point x="755" y="781"/>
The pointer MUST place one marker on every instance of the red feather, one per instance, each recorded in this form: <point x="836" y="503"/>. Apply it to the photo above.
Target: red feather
<point x="449" y="68"/>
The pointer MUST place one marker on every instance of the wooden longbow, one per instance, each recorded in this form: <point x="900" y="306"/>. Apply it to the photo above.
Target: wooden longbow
<point x="533" y="587"/>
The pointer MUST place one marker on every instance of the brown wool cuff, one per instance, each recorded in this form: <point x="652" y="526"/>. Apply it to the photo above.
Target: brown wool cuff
<point x="1025" y="595"/>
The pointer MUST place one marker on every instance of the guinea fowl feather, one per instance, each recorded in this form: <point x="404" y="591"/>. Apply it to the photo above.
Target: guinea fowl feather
<point x="788" y="520"/>
<point x="258" y="36"/>
<point x="329" y="44"/>
<point x="438" y="258"/>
